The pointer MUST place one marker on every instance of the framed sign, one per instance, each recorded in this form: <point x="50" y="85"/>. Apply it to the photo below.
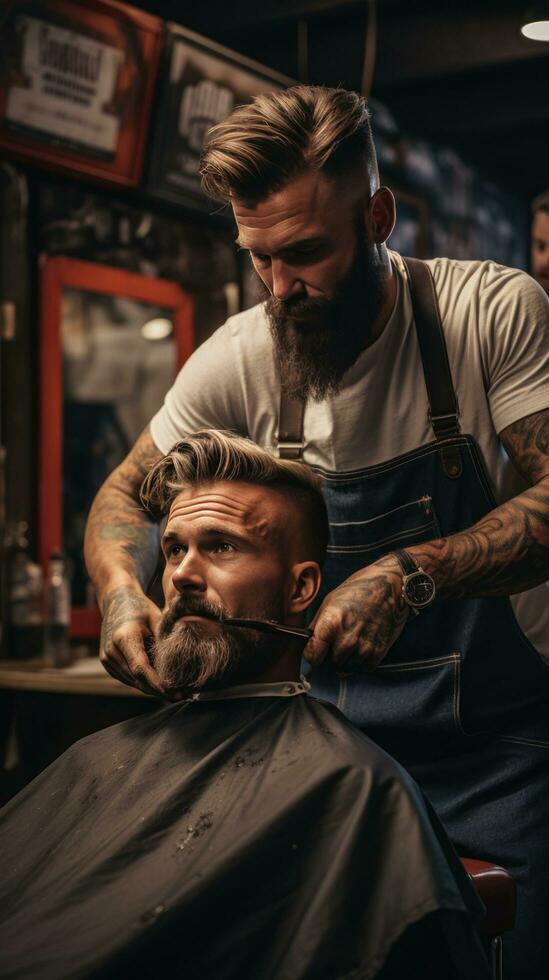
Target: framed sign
<point x="202" y="83"/>
<point x="76" y="84"/>
<point x="111" y="343"/>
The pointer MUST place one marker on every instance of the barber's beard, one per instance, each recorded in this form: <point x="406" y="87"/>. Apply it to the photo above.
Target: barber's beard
<point x="317" y="340"/>
<point x="190" y="656"/>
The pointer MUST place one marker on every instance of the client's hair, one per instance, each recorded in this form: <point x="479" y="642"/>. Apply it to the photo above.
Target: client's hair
<point x="212" y="455"/>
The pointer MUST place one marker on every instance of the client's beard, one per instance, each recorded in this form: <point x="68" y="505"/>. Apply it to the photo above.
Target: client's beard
<point x="317" y="340"/>
<point x="190" y="656"/>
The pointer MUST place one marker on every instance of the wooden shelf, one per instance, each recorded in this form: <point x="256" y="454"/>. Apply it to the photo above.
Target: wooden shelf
<point x="85" y="676"/>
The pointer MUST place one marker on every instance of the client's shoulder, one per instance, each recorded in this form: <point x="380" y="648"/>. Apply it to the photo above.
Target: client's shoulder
<point x="131" y="733"/>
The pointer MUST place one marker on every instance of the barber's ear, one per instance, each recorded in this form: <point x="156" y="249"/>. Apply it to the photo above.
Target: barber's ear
<point x="306" y="581"/>
<point x="381" y="215"/>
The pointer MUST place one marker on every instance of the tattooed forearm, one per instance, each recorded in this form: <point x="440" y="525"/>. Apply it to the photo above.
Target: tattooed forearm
<point x="508" y="550"/>
<point x="135" y="541"/>
<point x="527" y="443"/>
<point x="121" y="538"/>
<point x="120" y="607"/>
<point x="505" y="553"/>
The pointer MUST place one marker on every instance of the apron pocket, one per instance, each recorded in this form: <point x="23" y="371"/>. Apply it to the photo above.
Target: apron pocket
<point x="418" y="697"/>
<point x="412" y="522"/>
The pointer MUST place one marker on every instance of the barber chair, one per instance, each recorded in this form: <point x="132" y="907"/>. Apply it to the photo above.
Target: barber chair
<point x="497" y="891"/>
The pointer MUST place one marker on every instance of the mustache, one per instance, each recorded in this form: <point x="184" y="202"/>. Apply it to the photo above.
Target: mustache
<point x="299" y="310"/>
<point x="189" y="606"/>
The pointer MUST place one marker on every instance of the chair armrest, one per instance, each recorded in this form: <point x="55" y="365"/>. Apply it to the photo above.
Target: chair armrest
<point x="498" y="892"/>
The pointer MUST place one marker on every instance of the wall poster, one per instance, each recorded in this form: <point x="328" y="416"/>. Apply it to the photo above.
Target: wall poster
<point x="202" y="83"/>
<point x="76" y="84"/>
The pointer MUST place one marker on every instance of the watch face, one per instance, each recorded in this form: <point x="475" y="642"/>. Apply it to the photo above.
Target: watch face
<point x="419" y="589"/>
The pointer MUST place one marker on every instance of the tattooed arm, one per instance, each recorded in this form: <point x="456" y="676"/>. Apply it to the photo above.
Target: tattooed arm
<point x="121" y="550"/>
<point x="506" y="552"/>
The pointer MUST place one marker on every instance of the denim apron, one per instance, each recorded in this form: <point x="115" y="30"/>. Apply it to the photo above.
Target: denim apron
<point x="462" y="697"/>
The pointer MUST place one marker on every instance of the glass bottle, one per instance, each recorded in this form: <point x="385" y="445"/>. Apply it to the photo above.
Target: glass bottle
<point x="25" y="598"/>
<point x="58" y="610"/>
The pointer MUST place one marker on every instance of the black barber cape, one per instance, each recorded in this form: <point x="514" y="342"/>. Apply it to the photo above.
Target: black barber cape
<point x="250" y="838"/>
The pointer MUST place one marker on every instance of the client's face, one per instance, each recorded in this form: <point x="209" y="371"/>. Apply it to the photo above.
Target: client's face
<point x="227" y="554"/>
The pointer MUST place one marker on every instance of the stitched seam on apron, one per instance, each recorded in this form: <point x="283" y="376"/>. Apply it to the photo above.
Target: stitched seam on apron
<point x="426" y="450"/>
<point x="520" y="740"/>
<point x="371" y="520"/>
<point x="457" y="693"/>
<point x="420" y="664"/>
<point x="350" y="476"/>
<point x="342" y="696"/>
<point x="363" y="548"/>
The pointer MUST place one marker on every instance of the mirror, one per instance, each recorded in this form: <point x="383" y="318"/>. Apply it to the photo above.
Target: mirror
<point x="112" y="343"/>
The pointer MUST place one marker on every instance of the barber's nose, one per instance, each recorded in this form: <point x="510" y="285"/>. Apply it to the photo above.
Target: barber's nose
<point x="285" y="283"/>
<point x="189" y="575"/>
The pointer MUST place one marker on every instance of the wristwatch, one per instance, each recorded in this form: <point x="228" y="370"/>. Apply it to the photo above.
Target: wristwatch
<point x="418" y="587"/>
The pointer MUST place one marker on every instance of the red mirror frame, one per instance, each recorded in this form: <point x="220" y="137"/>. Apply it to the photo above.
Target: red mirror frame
<point x="55" y="274"/>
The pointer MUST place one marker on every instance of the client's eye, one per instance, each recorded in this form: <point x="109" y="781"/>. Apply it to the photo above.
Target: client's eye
<point x="224" y="547"/>
<point x="175" y="550"/>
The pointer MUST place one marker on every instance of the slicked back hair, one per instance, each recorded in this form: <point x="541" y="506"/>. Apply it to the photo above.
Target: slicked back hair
<point x="212" y="456"/>
<point x="259" y="147"/>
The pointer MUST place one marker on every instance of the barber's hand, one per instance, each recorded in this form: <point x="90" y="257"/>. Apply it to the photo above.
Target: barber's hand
<point x="129" y="619"/>
<point x="359" y="621"/>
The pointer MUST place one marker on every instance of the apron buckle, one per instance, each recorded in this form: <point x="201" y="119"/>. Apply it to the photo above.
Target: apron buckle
<point x="290" y="449"/>
<point x="444" y="425"/>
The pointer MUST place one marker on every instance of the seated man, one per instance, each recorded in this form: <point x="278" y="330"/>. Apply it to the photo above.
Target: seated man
<point x="247" y="831"/>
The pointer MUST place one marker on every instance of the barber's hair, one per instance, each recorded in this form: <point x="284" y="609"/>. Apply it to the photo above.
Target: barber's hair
<point x="212" y="455"/>
<point x="541" y="203"/>
<point x="261" y="146"/>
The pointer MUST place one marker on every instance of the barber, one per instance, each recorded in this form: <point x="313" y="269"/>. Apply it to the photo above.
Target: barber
<point x="420" y="394"/>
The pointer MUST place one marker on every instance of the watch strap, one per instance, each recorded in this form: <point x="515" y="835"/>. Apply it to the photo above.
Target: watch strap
<point x="406" y="562"/>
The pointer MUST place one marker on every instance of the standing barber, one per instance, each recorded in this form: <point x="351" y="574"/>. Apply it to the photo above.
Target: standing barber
<point x="420" y="393"/>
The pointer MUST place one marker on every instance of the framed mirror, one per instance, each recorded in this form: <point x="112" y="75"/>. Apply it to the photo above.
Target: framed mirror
<point x="111" y="343"/>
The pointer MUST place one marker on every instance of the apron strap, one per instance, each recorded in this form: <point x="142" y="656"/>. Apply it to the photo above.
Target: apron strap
<point x="443" y="405"/>
<point x="290" y="427"/>
<point x="443" y="413"/>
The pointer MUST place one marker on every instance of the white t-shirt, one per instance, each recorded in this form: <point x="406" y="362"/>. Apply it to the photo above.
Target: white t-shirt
<point x="496" y="326"/>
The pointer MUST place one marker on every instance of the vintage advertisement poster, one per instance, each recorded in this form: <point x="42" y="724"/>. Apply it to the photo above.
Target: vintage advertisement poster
<point x="66" y="87"/>
<point x="203" y="84"/>
<point x="76" y="85"/>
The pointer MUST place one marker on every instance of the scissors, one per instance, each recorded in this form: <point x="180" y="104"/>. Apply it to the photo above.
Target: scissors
<point x="268" y="626"/>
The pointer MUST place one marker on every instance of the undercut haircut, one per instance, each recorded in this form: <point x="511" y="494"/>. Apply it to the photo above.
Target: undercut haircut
<point x="212" y="455"/>
<point x="261" y="146"/>
<point x="541" y="203"/>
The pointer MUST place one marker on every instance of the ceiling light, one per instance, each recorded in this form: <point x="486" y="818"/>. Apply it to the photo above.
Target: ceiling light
<point x="535" y="23"/>
<point x="537" y="30"/>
